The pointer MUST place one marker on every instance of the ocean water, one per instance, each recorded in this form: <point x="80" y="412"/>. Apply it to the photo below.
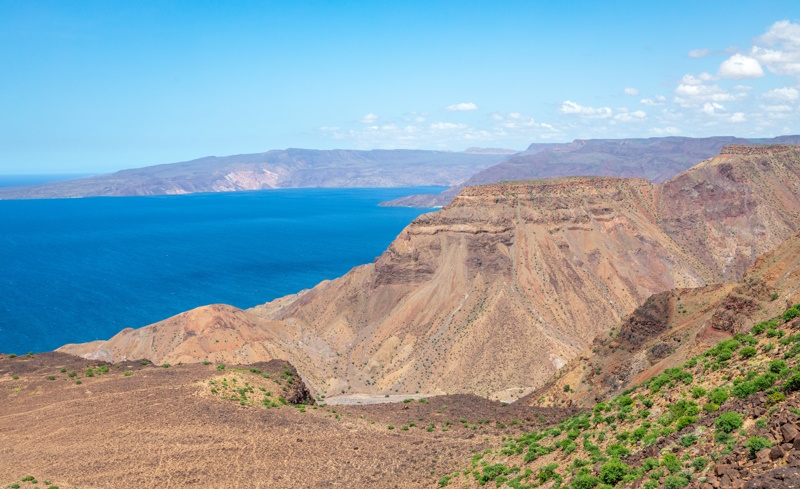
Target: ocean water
<point x="75" y="270"/>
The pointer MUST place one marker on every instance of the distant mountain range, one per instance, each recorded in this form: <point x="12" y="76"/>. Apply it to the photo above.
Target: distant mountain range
<point x="291" y="168"/>
<point x="656" y="159"/>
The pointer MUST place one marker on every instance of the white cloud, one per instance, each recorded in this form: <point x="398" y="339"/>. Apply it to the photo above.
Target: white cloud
<point x="738" y="117"/>
<point x="782" y="56"/>
<point x="693" y="91"/>
<point x="711" y="108"/>
<point x="669" y="130"/>
<point x="569" y="107"/>
<point x="631" y="91"/>
<point x="369" y="118"/>
<point x="788" y="94"/>
<point x="655" y="101"/>
<point x="636" y="115"/>
<point x="739" y="66"/>
<point x="463" y="106"/>
<point x="777" y="108"/>
<point x="782" y="31"/>
<point x="518" y="121"/>
<point x="497" y="117"/>
<point x="444" y="126"/>
<point x="699" y="53"/>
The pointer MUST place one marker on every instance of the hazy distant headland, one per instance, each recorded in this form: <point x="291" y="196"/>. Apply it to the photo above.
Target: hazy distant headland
<point x="291" y="168"/>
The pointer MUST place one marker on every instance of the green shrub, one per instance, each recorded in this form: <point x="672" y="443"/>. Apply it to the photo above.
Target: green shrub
<point x="638" y="433"/>
<point x="718" y="395"/>
<point x="613" y="471"/>
<point x="127" y="373"/>
<point x="698" y="392"/>
<point x="547" y="473"/>
<point x="776" y="366"/>
<point x="710" y="407"/>
<point x="221" y="366"/>
<point x="747" y="352"/>
<point x="791" y="313"/>
<point x="728" y="422"/>
<point x="755" y="443"/>
<point x="699" y="463"/>
<point x="792" y="383"/>
<point x="585" y="481"/>
<point x="687" y="440"/>
<point x="775" y="398"/>
<point x="685" y="421"/>
<point x="445" y="481"/>
<point x="649" y="464"/>
<point x="671" y="462"/>
<point x="676" y="481"/>
<point x="492" y="472"/>
<point x="617" y="450"/>
<point x="624" y="401"/>
<point x="759" y="328"/>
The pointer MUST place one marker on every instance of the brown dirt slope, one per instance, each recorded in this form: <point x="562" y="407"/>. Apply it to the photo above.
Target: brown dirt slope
<point x="726" y="418"/>
<point x="167" y="427"/>
<point x="671" y="327"/>
<point x="498" y="290"/>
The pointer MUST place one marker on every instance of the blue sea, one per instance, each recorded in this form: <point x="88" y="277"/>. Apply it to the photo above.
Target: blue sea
<point x="76" y="270"/>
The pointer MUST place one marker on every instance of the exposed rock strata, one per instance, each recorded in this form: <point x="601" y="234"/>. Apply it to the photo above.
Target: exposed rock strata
<point x="501" y="288"/>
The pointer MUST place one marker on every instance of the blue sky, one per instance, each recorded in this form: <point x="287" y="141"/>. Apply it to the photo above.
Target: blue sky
<point x="100" y="86"/>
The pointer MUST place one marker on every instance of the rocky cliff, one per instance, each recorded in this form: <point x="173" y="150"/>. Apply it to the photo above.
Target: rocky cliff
<point x="671" y="327"/>
<point x="506" y="284"/>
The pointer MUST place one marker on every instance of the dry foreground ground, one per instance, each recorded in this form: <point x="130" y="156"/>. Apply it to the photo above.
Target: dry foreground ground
<point x="142" y="425"/>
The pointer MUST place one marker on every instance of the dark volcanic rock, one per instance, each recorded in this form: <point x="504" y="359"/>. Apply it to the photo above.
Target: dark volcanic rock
<point x="781" y="478"/>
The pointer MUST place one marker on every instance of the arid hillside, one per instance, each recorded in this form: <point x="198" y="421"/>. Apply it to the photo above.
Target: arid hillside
<point x="728" y="417"/>
<point x="502" y="287"/>
<point x="671" y="327"/>
<point x="70" y="422"/>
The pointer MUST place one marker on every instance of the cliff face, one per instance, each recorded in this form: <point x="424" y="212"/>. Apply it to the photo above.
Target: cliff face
<point x="507" y="283"/>
<point x="734" y="207"/>
<point x="492" y="292"/>
<point x="673" y="326"/>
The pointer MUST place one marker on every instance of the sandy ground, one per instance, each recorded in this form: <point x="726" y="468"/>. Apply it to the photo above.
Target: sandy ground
<point x="370" y="399"/>
<point x="161" y="427"/>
